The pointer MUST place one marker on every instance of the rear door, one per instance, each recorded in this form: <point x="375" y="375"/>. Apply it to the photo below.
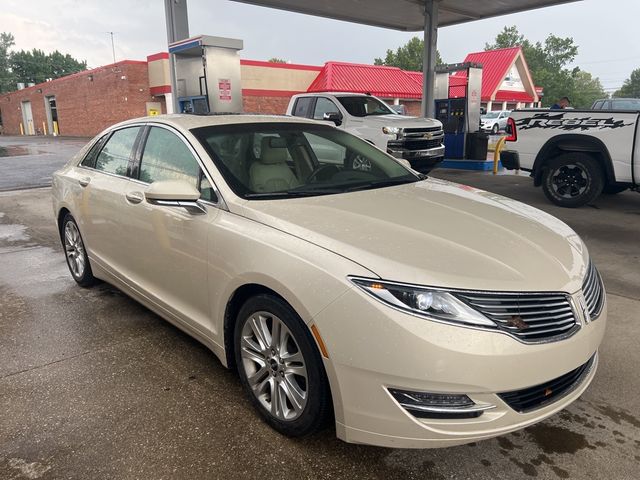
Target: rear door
<point x="166" y="247"/>
<point x="102" y="176"/>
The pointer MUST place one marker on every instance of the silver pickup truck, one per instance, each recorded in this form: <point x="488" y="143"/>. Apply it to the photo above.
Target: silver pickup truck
<point x="417" y="140"/>
<point x="575" y="155"/>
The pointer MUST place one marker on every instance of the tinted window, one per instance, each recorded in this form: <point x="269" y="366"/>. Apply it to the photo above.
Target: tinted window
<point x="626" y="104"/>
<point x="167" y="157"/>
<point x="598" y="105"/>
<point x="303" y="107"/>
<point x="90" y="159"/>
<point x="114" y="157"/>
<point x="324" y="105"/>
<point x="364" y="106"/>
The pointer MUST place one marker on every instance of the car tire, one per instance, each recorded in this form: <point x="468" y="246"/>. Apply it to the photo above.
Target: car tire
<point x="495" y="129"/>
<point x="572" y="180"/>
<point x="76" y="253"/>
<point x="284" y="377"/>
<point x="614" y="189"/>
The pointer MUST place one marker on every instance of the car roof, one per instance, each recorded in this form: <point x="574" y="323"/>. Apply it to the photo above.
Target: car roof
<point x="190" y="121"/>
<point x="334" y="94"/>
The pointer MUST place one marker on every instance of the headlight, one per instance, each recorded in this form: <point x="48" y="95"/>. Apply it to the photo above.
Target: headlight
<point x="433" y="304"/>
<point x="391" y="130"/>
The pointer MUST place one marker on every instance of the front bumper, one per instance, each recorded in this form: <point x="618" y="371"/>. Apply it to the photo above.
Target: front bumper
<point x="422" y="161"/>
<point x="373" y="348"/>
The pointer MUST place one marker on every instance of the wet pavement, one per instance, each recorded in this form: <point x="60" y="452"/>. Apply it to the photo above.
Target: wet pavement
<point x="29" y="161"/>
<point x="93" y="385"/>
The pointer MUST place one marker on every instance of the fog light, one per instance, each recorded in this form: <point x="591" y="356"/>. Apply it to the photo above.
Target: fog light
<point x="438" y="405"/>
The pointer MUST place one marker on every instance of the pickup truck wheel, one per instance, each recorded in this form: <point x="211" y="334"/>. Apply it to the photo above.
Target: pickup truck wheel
<point x="572" y="180"/>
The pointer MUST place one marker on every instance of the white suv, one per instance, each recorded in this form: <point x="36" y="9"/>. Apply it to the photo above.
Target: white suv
<point x="494" y="122"/>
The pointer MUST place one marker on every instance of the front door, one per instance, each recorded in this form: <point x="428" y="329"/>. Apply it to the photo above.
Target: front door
<point x="167" y="246"/>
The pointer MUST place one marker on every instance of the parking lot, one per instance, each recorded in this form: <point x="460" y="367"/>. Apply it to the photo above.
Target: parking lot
<point x="93" y="385"/>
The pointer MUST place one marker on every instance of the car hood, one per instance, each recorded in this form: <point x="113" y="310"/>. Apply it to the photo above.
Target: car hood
<point x="437" y="233"/>
<point x="402" y="121"/>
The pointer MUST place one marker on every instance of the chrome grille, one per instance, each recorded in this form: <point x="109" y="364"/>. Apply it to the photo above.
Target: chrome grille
<point x="421" y="131"/>
<point x="593" y="291"/>
<point x="530" y="317"/>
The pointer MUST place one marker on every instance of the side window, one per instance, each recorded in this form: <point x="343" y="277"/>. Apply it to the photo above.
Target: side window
<point x="598" y="105"/>
<point x="114" y="157"/>
<point x="90" y="159"/>
<point x="302" y="107"/>
<point x="167" y="157"/>
<point x="324" y="105"/>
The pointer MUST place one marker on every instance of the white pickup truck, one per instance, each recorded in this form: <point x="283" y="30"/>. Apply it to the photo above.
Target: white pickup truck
<point x="575" y="155"/>
<point x="417" y="140"/>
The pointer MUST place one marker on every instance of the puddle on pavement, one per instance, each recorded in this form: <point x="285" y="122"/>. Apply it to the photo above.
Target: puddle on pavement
<point x="13" y="233"/>
<point x="19" y="150"/>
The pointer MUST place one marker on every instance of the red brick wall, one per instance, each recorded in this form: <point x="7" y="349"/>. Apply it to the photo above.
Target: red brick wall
<point x="271" y="105"/>
<point x="87" y="102"/>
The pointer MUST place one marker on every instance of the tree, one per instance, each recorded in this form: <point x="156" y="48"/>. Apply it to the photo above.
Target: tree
<point x="277" y="60"/>
<point x="407" y="57"/>
<point x="631" y="86"/>
<point x="586" y="89"/>
<point x="36" y="66"/>
<point x="548" y="62"/>
<point x="7" y="81"/>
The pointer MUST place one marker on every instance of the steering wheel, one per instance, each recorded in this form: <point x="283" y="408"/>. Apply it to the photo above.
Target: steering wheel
<point x="327" y="170"/>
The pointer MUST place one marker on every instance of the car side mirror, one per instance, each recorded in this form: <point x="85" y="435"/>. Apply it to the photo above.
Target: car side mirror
<point x="175" y="193"/>
<point x="334" y="117"/>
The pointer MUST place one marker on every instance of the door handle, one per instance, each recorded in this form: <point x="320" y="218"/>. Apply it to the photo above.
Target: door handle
<point x="134" y="197"/>
<point x="84" y="181"/>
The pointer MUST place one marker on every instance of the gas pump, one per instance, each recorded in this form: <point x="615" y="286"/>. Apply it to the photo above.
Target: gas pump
<point x="460" y="116"/>
<point x="207" y="74"/>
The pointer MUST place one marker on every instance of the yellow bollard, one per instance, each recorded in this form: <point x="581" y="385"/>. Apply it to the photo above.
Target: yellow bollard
<point x="21" y="129"/>
<point x="44" y="128"/>
<point x="55" y="128"/>
<point x="496" y="154"/>
<point x="31" y="128"/>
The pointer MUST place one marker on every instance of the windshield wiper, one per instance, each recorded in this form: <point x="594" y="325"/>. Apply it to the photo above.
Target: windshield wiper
<point x="381" y="184"/>
<point x="291" y="193"/>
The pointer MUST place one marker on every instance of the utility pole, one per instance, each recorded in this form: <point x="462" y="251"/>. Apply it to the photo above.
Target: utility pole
<point x="113" y="47"/>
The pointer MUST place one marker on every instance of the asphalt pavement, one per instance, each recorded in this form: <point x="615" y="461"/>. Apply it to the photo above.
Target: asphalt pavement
<point x="93" y="385"/>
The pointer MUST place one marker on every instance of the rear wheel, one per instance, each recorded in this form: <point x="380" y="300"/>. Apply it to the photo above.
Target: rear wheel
<point x="75" y="253"/>
<point x="280" y="367"/>
<point x="572" y="180"/>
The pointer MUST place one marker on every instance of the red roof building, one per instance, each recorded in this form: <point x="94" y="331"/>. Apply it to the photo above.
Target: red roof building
<point x="385" y="82"/>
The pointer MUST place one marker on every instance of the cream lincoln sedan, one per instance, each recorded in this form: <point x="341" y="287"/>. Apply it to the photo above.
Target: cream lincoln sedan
<point x="339" y="283"/>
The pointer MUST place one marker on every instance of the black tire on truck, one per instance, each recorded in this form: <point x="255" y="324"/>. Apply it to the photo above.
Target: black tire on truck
<point x="572" y="179"/>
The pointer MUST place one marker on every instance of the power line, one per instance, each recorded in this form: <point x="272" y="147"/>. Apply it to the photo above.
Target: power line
<point x="113" y="47"/>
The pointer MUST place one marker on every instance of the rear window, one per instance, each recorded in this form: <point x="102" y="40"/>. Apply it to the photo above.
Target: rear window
<point x="302" y="107"/>
<point x="114" y="157"/>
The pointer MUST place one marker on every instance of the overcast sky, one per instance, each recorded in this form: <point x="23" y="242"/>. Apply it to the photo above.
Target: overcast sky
<point x="606" y="32"/>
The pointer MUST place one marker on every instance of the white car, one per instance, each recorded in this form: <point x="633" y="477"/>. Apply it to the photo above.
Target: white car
<point x="494" y="122"/>
<point x="412" y="312"/>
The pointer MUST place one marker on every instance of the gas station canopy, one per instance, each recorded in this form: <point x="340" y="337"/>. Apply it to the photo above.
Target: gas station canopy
<point x="405" y="15"/>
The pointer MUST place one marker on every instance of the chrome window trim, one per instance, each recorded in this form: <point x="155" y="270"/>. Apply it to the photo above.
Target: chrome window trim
<point x="557" y="338"/>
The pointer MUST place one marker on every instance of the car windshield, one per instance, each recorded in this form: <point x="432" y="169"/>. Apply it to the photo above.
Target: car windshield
<point x="365" y="106"/>
<point x="490" y="115"/>
<point x="283" y="160"/>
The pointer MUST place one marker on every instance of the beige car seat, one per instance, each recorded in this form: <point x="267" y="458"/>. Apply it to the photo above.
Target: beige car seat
<point x="271" y="172"/>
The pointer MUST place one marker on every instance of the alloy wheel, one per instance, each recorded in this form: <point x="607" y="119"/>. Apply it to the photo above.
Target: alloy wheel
<point x="274" y="366"/>
<point x="570" y="181"/>
<point x="74" y="249"/>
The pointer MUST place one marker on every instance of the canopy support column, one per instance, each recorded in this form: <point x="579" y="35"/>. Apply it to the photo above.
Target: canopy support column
<point x="177" y="29"/>
<point x="429" y="57"/>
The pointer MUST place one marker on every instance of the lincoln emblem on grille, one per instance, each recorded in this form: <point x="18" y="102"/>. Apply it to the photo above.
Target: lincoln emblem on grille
<point x="516" y="321"/>
<point x="584" y="309"/>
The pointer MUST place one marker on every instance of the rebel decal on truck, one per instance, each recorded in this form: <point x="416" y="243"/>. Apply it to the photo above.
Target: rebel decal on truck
<point x="558" y="122"/>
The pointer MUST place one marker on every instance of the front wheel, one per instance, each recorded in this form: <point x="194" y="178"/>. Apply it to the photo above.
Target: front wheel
<point x="572" y="180"/>
<point x="495" y="129"/>
<point x="280" y="367"/>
